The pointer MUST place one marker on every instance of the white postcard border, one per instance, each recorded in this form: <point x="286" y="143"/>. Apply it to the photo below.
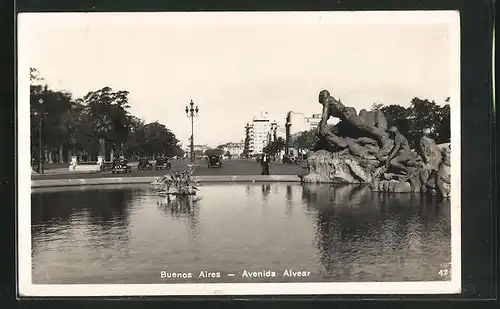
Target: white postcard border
<point x="24" y="267"/>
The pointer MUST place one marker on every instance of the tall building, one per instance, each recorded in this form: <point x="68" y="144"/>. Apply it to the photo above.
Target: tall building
<point x="258" y="133"/>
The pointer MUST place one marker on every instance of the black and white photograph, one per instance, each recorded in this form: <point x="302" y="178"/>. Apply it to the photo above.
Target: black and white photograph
<point x="239" y="153"/>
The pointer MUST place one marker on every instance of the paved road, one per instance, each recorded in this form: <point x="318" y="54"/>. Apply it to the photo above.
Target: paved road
<point x="229" y="167"/>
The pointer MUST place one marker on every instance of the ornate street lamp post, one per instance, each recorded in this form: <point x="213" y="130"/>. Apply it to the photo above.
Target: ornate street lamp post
<point x="40" y="142"/>
<point x="191" y="112"/>
<point x="73" y="142"/>
<point x="274" y="129"/>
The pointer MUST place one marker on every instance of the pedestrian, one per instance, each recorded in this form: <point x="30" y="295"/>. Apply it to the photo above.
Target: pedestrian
<point x="37" y="164"/>
<point x="265" y="163"/>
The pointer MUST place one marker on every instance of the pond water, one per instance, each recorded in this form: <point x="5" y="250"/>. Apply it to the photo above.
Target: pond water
<point x="128" y="234"/>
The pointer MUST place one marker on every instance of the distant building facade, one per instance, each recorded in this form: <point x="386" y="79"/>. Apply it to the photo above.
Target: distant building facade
<point x="297" y="123"/>
<point x="199" y="150"/>
<point x="234" y="149"/>
<point x="260" y="132"/>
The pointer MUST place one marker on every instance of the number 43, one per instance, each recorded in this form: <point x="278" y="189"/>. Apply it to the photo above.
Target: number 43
<point x="444" y="272"/>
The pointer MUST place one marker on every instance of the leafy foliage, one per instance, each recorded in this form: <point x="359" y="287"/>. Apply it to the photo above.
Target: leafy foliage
<point x="180" y="182"/>
<point x="275" y="147"/>
<point x="101" y="114"/>
<point x="422" y="114"/>
<point x="305" y="140"/>
<point x="397" y="116"/>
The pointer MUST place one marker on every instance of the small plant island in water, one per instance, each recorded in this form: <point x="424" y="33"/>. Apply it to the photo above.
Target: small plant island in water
<point x="178" y="183"/>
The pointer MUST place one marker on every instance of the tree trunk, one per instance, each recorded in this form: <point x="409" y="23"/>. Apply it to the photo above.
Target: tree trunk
<point x="61" y="155"/>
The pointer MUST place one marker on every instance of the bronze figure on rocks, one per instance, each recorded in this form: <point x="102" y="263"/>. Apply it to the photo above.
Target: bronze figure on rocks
<point x="360" y="149"/>
<point x="353" y="132"/>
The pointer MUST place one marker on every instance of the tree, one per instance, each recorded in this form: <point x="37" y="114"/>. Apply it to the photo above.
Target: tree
<point x="52" y="112"/>
<point x="275" y="147"/>
<point x="397" y="116"/>
<point x="306" y="140"/>
<point x="377" y="106"/>
<point x="137" y="136"/>
<point x="443" y="128"/>
<point x="103" y="113"/>
<point x="423" y="114"/>
<point x="179" y="152"/>
<point x="159" y="139"/>
<point x="108" y="118"/>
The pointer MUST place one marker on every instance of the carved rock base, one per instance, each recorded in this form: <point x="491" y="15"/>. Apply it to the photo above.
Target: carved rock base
<point x="326" y="167"/>
<point x="394" y="186"/>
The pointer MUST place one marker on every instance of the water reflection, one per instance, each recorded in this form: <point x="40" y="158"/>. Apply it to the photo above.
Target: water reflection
<point x="339" y="233"/>
<point x="181" y="207"/>
<point x="289" y="201"/>
<point x="248" y="190"/>
<point x="106" y="216"/>
<point x="356" y="225"/>
<point x="266" y="189"/>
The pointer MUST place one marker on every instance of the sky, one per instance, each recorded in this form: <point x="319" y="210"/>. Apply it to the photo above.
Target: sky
<point x="236" y="65"/>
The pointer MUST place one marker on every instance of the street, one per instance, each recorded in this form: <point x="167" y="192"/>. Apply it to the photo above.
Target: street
<point x="229" y="167"/>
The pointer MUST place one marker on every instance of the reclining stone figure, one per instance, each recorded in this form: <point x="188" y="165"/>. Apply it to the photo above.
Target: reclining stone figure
<point x="352" y="129"/>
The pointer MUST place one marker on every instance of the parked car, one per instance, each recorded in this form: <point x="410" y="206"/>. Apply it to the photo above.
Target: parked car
<point x="214" y="157"/>
<point x="163" y="163"/>
<point x="290" y="160"/>
<point x="121" y="166"/>
<point x="144" y="164"/>
<point x="214" y="161"/>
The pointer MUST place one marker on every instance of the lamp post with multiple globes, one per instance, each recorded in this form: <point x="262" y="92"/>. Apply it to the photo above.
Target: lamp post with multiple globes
<point x="192" y="112"/>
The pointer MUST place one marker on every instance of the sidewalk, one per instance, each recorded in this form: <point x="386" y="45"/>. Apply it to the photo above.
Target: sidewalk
<point x="61" y="171"/>
<point x="66" y="171"/>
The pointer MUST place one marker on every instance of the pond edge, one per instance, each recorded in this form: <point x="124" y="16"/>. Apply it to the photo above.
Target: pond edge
<point x="43" y="183"/>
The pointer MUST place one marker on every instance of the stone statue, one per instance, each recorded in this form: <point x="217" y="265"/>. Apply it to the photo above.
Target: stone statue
<point x="400" y="155"/>
<point x="429" y="151"/>
<point x="443" y="177"/>
<point x="356" y="127"/>
<point x="360" y="150"/>
<point x="431" y="157"/>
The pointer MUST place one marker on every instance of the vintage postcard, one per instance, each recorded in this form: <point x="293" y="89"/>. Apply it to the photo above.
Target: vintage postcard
<point x="238" y="153"/>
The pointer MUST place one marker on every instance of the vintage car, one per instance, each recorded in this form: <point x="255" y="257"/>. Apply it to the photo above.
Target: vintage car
<point x="290" y="160"/>
<point x="121" y="166"/>
<point x="214" y="161"/>
<point x="214" y="157"/>
<point x="144" y="164"/>
<point x="163" y="163"/>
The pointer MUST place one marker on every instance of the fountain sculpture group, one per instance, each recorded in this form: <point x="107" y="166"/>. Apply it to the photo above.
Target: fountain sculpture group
<point x="361" y="149"/>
